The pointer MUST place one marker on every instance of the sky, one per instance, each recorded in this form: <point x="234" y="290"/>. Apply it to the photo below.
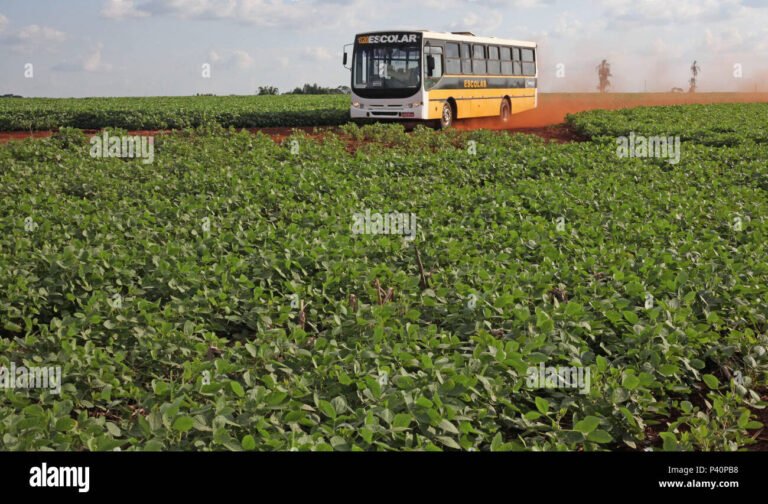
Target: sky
<point x="83" y="48"/>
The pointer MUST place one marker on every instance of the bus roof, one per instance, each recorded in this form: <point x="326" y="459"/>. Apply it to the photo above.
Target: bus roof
<point x="459" y="37"/>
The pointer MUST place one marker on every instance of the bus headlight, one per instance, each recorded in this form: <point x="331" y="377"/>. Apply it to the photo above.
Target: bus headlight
<point x="414" y="104"/>
<point x="356" y="104"/>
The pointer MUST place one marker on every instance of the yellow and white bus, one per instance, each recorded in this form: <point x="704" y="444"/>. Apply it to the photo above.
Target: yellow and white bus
<point x="432" y="76"/>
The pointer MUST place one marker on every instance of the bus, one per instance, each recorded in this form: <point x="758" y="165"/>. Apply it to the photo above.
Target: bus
<point x="440" y="77"/>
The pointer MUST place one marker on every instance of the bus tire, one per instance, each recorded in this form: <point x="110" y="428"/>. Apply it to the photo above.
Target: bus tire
<point x="506" y="110"/>
<point x="448" y="115"/>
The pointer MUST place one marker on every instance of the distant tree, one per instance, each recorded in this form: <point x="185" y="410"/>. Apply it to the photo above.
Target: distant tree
<point x="695" y="69"/>
<point x="268" y="91"/>
<point x="9" y="95"/>
<point x="604" y="74"/>
<point x="316" y="89"/>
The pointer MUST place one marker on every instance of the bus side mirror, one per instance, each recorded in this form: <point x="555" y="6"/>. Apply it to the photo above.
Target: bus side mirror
<point x="346" y="57"/>
<point x="430" y="65"/>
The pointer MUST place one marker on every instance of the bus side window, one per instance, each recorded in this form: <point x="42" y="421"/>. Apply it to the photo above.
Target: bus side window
<point x="506" y="61"/>
<point x="518" y="70"/>
<point x="529" y="62"/>
<point x="466" y="59"/>
<point x="478" y="60"/>
<point x="452" y="59"/>
<point x="494" y="65"/>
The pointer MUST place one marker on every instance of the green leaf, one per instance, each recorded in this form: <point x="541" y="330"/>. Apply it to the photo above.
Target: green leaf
<point x="339" y="405"/>
<point x="237" y="388"/>
<point x="448" y="426"/>
<point x="275" y="398"/>
<point x="573" y="308"/>
<point x="711" y="381"/>
<point x="113" y="429"/>
<point x="327" y="408"/>
<point x="587" y="425"/>
<point x="366" y="434"/>
<point x="402" y="420"/>
<point x="449" y="442"/>
<point x="599" y="436"/>
<point x="542" y="405"/>
<point x="497" y="443"/>
<point x="668" y="369"/>
<point x="630" y="382"/>
<point x="532" y="415"/>
<point x="12" y="327"/>
<point x="631" y="317"/>
<point x="744" y="419"/>
<point x="65" y="424"/>
<point x="669" y="441"/>
<point x="248" y="442"/>
<point x="183" y="423"/>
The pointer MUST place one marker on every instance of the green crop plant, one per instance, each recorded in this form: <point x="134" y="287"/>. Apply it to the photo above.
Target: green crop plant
<point x="217" y="298"/>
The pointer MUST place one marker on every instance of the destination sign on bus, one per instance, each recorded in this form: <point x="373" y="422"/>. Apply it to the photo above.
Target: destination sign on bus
<point x="388" y="38"/>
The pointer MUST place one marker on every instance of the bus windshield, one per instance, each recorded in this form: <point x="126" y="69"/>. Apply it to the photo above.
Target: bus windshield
<point x="390" y="66"/>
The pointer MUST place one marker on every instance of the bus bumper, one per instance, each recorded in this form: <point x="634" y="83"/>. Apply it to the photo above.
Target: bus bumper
<point x="388" y="112"/>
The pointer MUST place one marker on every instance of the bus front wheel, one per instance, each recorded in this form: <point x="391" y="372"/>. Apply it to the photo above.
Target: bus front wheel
<point x="447" y="116"/>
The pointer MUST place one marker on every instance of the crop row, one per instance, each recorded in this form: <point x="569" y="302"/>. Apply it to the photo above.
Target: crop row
<point x="24" y="114"/>
<point x="714" y="124"/>
<point x="219" y="298"/>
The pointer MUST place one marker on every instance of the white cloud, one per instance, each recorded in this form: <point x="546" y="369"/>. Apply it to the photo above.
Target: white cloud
<point x="242" y="59"/>
<point x="34" y="38"/>
<point x="291" y="14"/>
<point x="91" y="62"/>
<point x="3" y="22"/>
<point x="568" y="26"/>
<point x="231" y="59"/>
<point x="727" y="40"/>
<point x="317" y="53"/>
<point x="37" y="33"/>
<point x="463" y="4"/>
<point x="485" y="24"/>
<point x="275" y="13"/>
<point x="313" y="14"/>
<point x="122" y="9"/>
<point x="643" y="12"/>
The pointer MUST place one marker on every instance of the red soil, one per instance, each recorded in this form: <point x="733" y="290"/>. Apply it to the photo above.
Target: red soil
<point x="553" y="108"/>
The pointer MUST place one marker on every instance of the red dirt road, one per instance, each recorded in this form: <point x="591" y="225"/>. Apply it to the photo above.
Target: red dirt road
<point x="553" y="108"/>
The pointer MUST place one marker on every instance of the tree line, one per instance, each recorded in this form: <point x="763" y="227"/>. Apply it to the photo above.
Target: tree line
<point x="306" y="89"/>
